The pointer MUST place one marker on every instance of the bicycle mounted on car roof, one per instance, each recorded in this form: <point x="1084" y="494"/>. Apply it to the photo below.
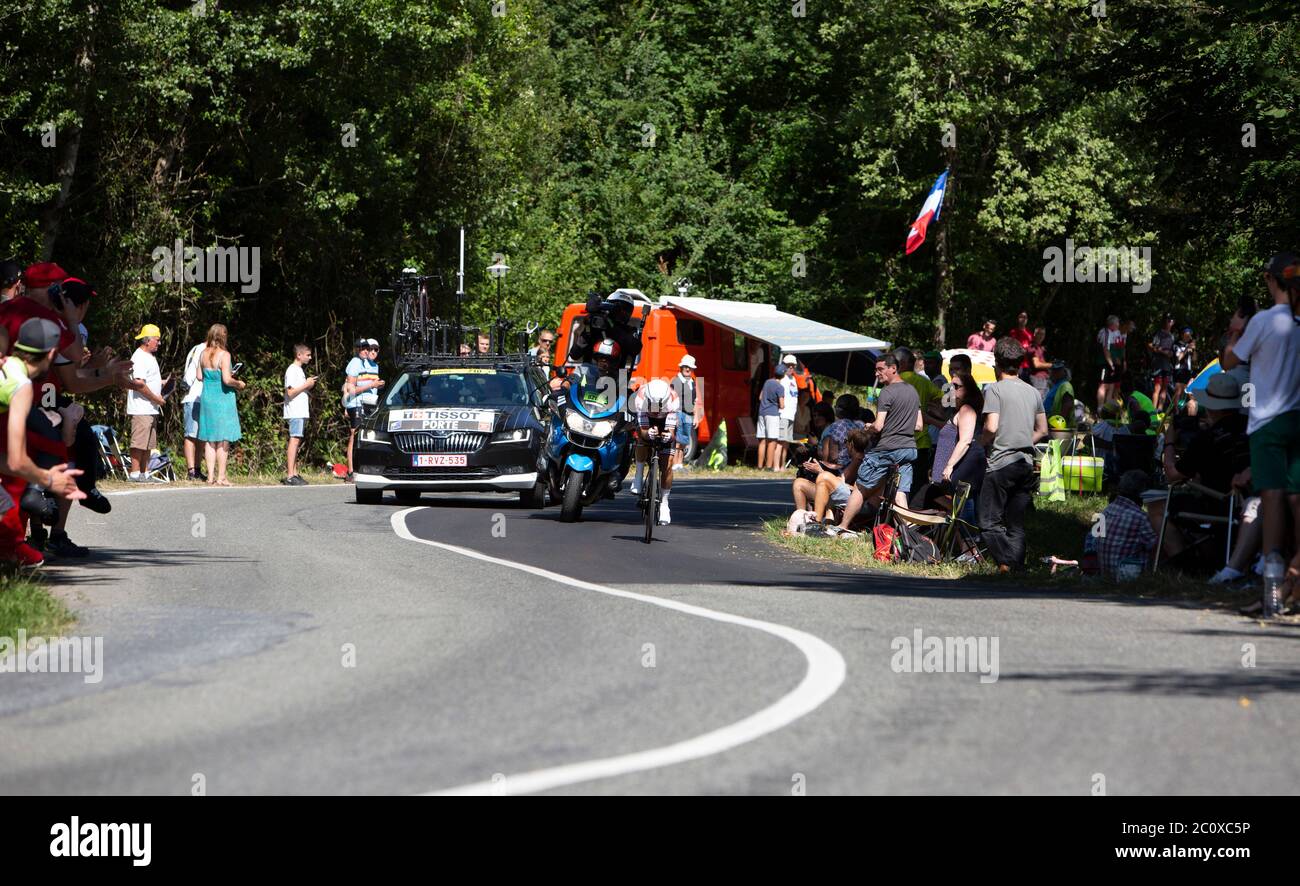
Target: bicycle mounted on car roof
<point x="418" y="337"/>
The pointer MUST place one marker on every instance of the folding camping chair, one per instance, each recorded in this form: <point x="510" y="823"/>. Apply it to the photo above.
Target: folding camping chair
<point x="1200" y="526"/>
<point x="748" y="436"/>
<point x="160" y="467"/>
<point x="111" y="459"/>
<point x="117" y="464"/>
<point x="944" y="528"/>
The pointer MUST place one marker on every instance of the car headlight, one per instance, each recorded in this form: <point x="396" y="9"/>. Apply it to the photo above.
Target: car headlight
<point x="373" y="436"/>
<point x="584" y="425"/>
<point x="518" y="435"/>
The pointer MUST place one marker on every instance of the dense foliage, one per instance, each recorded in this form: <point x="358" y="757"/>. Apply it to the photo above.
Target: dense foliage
<point x="633" y="143"/>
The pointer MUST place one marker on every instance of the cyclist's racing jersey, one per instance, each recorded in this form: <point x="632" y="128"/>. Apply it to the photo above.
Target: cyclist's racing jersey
<point x="665" y="422"/>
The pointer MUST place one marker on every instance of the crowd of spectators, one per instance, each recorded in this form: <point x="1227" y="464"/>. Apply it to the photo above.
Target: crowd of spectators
<point x="50" y="456"/>
<point x="48" y="438"/>
<point x="1215" y="453"/>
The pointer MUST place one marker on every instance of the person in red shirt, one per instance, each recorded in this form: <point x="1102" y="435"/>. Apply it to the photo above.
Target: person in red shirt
<point x="33" y="354"/>
<point x="45" y="297"/>
<point x="1021" y="333"/>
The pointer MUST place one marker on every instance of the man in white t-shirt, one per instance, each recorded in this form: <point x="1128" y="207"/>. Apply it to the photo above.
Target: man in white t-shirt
<point x="297" y="408"/>
<point x="142" y="405"/>
<point x="789" y="406"/>
<point x="1270" y="343"/>
<point x="192" y="381"/>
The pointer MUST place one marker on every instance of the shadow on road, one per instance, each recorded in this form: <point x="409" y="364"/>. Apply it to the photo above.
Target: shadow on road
<point x="1249" y="682"/>
<point x="103" y="562"/>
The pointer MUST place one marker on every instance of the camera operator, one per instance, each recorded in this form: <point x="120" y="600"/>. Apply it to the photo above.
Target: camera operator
<point x="610" y="318"/>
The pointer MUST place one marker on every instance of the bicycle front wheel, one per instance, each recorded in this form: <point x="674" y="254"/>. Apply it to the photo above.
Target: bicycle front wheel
<point x="652" y="498"/>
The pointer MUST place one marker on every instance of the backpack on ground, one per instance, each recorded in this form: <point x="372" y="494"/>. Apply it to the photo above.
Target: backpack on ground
<point x="915" y="545"/>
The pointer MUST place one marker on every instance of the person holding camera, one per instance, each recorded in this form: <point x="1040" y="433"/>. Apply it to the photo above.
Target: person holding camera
<point x="607" y="318"/>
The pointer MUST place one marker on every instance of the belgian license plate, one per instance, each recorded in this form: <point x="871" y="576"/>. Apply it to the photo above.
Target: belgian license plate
<point x="439" y="461"/>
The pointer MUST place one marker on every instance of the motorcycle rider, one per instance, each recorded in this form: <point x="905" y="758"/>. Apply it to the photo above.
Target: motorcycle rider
<point x="607" y="319"/>
<point x="657" y="406"/>
<point x="605" y="356"/>
<point x="604" y="387"/>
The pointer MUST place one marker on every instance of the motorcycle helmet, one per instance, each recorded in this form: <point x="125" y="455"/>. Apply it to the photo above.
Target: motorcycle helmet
<point x="608" y="348"/>
<point x="1056" y="422"/>
<point x="657" y="393"/>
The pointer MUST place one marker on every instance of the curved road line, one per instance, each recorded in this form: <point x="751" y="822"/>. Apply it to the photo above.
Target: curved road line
<point x="825" y="673"/>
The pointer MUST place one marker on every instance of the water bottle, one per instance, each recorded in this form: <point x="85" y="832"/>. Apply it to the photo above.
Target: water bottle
<point x="1274" y="572"/>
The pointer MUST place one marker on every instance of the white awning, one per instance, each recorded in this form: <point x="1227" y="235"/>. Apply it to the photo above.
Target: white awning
<point x="793" y="335"/>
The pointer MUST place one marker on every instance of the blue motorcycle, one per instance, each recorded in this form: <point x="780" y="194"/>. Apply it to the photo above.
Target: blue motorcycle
<point x="587" y="442"/>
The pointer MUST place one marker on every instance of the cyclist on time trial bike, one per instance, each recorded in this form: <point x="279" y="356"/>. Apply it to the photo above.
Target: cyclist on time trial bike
<point x="657" y="406"/>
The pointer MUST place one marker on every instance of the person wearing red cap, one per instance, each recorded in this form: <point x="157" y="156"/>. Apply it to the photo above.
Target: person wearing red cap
<point x="50" y="294"/>
<point x="33" y="353"/>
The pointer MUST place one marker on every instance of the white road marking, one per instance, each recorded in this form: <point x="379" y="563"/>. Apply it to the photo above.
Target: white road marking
<point x="825" y="673"/>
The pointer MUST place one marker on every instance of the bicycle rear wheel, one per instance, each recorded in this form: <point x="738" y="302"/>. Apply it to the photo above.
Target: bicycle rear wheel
<point x="397" y="333"/>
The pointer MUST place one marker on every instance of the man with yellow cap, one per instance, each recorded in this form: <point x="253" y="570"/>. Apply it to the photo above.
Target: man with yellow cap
<point x="142" y="404"/>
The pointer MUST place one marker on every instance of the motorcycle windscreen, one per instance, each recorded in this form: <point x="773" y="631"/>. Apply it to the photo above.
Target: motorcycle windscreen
<point x="594" y="395"/>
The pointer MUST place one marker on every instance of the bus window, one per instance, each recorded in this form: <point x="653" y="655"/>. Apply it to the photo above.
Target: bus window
<point x="733" y="357"/>
<point x="690" y="332"/>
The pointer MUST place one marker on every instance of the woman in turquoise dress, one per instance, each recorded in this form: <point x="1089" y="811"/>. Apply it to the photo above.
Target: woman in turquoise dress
<point x="218" y="417"/>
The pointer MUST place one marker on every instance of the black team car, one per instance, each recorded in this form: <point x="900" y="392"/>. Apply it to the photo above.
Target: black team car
<point x="456" y="424"/>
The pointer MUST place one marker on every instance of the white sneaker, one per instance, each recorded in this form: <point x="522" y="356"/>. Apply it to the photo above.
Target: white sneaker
<point x="636" y="485"/>
<point x="1225" y="575"/>
<point x="664" y="517"/>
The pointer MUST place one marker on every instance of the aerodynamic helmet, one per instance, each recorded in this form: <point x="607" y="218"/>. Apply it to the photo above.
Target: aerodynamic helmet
<point x="657" y="393"/>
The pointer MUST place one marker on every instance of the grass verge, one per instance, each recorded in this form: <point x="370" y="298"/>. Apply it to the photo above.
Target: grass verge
<point x="1050" y="528"/>
<point x="732" y="472"/>
<point x="258" y="479"/>
<point x="25" y="603"/>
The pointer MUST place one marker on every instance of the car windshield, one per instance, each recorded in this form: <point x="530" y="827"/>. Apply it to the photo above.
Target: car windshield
<point x="460" y="387"/>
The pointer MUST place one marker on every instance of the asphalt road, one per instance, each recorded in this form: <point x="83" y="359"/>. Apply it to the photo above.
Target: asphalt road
<point x="496" y="649"/>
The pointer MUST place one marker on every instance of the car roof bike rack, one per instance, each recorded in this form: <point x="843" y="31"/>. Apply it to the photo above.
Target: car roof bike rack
<point x="418" y="337"/>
